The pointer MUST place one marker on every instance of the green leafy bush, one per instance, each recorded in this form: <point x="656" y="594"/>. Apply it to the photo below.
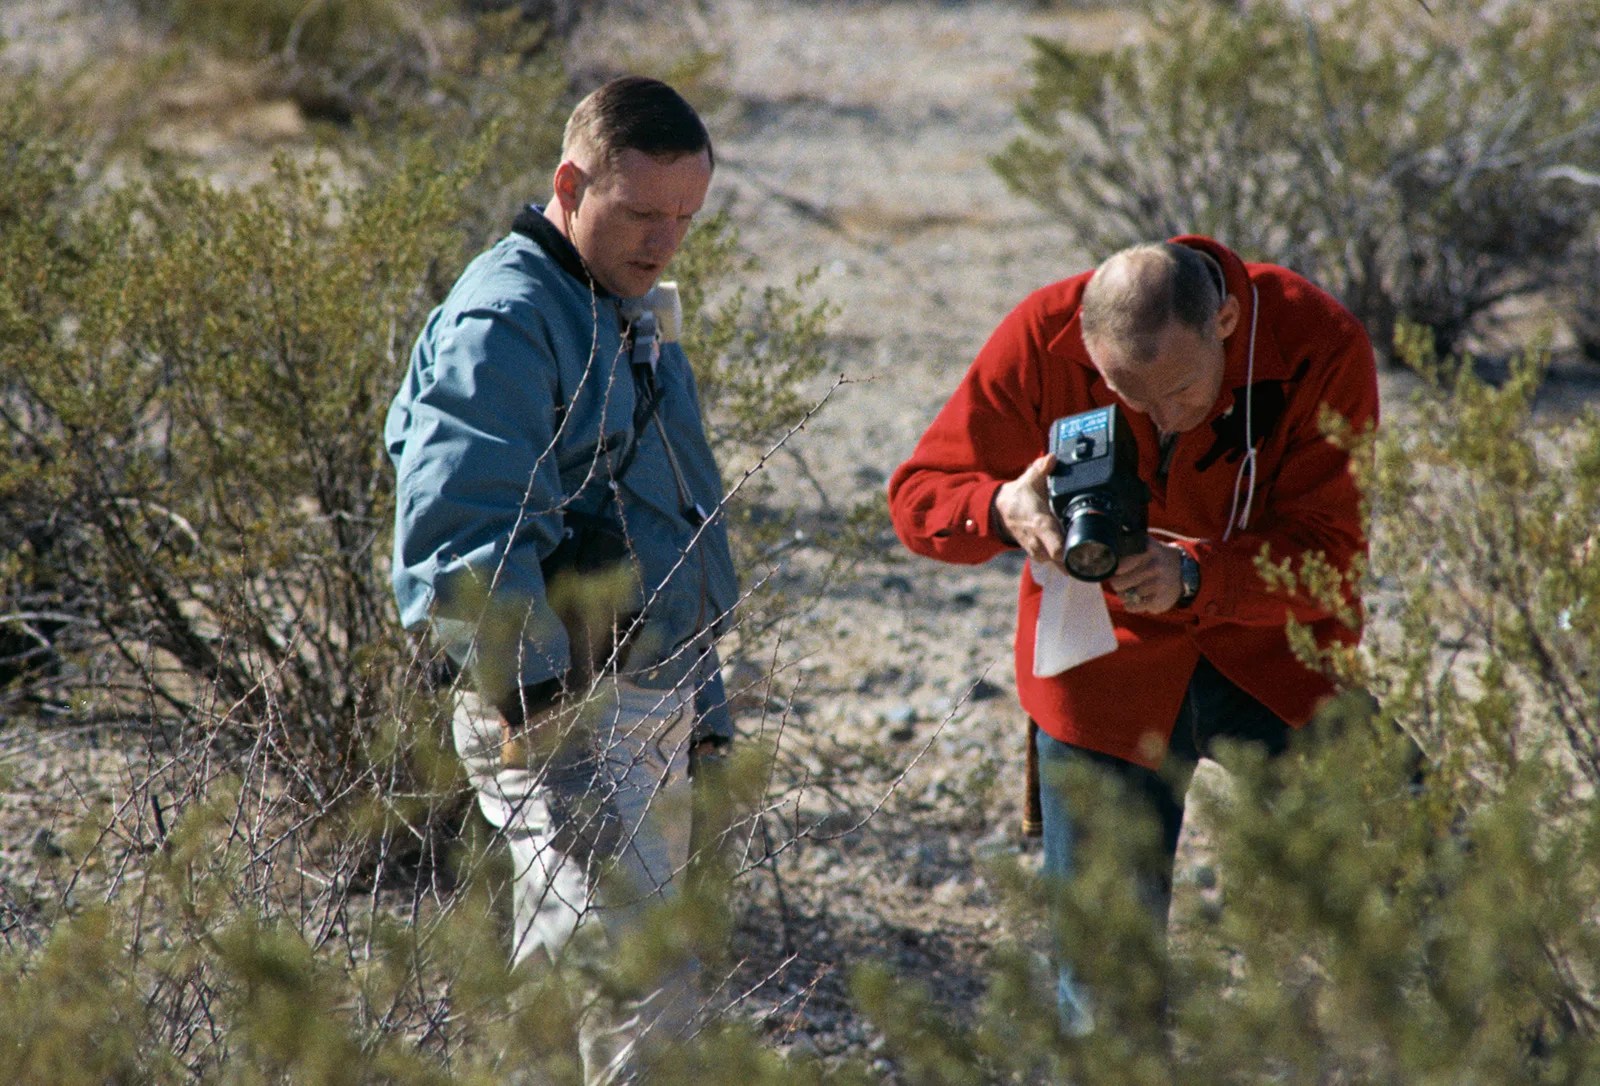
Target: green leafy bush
<point x="339" y="59"/>
<point x="193" y="509"/>
<point x="1414" y="159"/>
<point x="197" y="505"/>
<point x="1368" y="927"/>
<point x="190" y="404"/>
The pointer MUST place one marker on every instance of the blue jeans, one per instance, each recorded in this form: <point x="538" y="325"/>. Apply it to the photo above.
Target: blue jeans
<point x="1213" y="708"/>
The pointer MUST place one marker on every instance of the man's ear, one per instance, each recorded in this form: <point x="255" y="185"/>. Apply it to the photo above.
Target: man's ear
<point x="569" y="184"/>
<point x="1228" y="316"/>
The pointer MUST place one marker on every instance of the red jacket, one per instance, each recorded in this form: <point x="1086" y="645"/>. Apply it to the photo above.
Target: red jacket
<point x="1310" y="353"/>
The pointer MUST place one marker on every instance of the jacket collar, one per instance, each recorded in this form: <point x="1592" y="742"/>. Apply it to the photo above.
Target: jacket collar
<point x="531" y="223"/>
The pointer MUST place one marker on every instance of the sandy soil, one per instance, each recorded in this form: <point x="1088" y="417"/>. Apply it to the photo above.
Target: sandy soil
<point x="855" y="141"/>
<point x="871" y="164"/>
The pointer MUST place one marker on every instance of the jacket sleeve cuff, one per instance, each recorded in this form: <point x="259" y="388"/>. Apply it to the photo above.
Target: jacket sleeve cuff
<point x="983" y="519"/>
<point x="973" y="516"/>
<point x="994" y="526"/>
<point x="526" y="701"/>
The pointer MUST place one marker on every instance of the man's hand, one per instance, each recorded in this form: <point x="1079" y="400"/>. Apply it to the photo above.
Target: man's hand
<point x="1023" y="506"/>
<point x="532" y="743"/>
<point x="536" y="722"/>
<point x="1152" y="582"/>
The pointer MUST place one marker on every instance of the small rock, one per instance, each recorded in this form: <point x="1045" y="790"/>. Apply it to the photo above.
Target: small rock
<point x="44" y="845"/>
<point x="901" y="720"/>
<point x="871" y="477"/>
<point x="984" y="690"/>
<point x="802" y="1047"/>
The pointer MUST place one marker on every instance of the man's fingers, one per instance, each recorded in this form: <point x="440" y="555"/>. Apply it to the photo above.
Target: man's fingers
<point x="1047" y="543"/>
<point x="1038" y="473"/>
<point x="1023" y="505"/>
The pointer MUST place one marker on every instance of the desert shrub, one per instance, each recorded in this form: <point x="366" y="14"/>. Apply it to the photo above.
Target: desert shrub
<point x="1506" y="577"/>
<point x="194" y="381"/>
<point x="376" y="62"/>
<point x="197" y="507"/>
<point x="36" y="159"/>
<point x="1579" y="304"/>
<point x="560" y="19"/>
<point x="338" y="59"/>
<point x="190" y="410"/>
<point x="1416" y="160"/>
<point x="1370" y="925"/>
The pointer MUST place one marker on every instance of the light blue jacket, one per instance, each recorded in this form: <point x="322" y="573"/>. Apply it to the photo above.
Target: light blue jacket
<point x="518" y="407"/>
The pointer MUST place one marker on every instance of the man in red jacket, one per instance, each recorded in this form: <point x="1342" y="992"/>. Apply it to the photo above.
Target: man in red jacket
<point x="1223" y="371"/>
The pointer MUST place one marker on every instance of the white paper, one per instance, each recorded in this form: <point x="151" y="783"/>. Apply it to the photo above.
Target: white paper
<point x="1074" y="623"/>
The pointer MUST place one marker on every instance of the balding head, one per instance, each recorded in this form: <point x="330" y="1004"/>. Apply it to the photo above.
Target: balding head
<point x="1138" y="292"/>
<point x="1155" y="322"/>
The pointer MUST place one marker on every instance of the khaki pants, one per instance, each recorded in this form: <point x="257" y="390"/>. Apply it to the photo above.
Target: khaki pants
<point x="567" y="875"/>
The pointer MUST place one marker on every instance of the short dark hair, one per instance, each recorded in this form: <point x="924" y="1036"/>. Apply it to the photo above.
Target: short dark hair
<point x="1139" y="291"/>
<point x="635" y="113"/>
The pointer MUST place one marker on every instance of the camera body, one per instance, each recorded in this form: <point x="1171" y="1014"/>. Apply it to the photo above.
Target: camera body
<point x="1096" y="493"/>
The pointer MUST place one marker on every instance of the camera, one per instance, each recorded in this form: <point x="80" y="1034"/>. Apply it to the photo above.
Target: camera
<point x="1095" y="491"/>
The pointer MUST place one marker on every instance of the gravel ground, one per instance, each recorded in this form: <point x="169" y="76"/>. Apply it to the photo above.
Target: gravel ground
<point x="870" y="164"/>
<point x="855" y="141"/>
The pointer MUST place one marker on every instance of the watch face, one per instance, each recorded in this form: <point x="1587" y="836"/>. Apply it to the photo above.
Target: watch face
<point x="1189" y="574"/>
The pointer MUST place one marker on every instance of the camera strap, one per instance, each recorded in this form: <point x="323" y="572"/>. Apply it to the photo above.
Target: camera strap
<point x="643" y="346"/>
<point x="643" y="343"/>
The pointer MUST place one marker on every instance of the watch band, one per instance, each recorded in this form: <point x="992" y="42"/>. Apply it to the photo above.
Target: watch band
<point x="1189" y="575"/>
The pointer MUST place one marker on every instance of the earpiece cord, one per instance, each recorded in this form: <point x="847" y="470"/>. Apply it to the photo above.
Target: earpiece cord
<point x="1237" y="518"/>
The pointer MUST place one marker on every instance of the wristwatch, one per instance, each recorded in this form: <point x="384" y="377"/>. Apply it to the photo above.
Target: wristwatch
<point x="1189" y="577"/>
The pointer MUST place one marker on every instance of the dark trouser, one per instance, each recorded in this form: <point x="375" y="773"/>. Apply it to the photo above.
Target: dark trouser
<point x="1213" y="708"/>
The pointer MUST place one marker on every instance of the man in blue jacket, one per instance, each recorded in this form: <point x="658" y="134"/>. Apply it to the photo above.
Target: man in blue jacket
<point x="558" y="530"/>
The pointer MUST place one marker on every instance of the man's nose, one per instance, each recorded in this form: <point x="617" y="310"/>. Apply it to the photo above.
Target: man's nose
<point x="663" y="239"/>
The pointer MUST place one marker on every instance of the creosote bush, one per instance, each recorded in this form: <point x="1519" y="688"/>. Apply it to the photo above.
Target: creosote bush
<point x="193" y="522"/>
<point x="196" y="509"/>
<point x="1424" y="162"/>
<point x="190" y="398"/>
<point x="1373" y="924"/>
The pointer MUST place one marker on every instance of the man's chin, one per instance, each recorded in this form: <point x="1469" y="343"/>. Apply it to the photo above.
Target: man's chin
<point x="638" y="282"/>
<point x="628" y="283"/>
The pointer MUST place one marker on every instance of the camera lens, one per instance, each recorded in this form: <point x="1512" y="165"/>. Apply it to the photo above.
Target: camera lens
<point x="1091" y="553"/>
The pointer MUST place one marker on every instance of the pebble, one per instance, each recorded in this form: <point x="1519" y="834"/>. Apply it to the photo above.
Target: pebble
<point x="45" y="846"/>
<point x="801" y="1047"/>
<point x="901" y="720"/>
<point x="984" y="690"/>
